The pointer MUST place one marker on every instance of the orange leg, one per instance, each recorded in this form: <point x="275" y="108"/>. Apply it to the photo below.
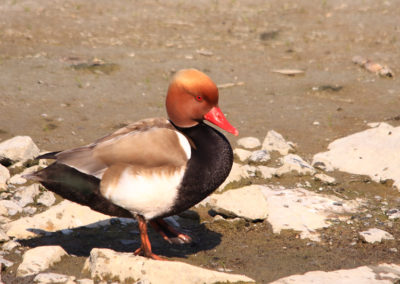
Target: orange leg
<point x="166" y="229"/>
<point x="145" y="247"/>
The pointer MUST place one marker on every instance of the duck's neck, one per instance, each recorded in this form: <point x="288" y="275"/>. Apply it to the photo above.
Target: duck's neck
<point x="209" y="165"/>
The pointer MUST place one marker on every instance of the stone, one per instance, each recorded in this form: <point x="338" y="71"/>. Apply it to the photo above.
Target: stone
<point x="362" y="153"/>
<point x="249" y="142"/>
<point x="4" y="176"/>
<point x="375" y="235"/>
<point x="85" y="281"/>
<point x="243" y="155"/>
<point x="12" y="207"/>
<point x="10" y="245"/>
<point x="246" y="202"/>
<point x="305" y="211"/>
<point x="266" y="172"/>
<point x="3" y="236"/>
<point x="6" y="263"/>
<point x="371" y="274"/>
<point x="47" y="198"/>
<point x="237" y="173"/>
<point x="25" y="195"/>
<point x="19" y="148"/>
<point x="64" y="215"/>
<point x="44" y="278"/>
<point x="393" y="213"/>
<point x="325" y="179"/>
<point x="294" y="163"/>
<point x="19" y="179"/>
<point x="260" y="156"/>
<point x="39" y="259"/>
<point x="275" y="142"/>
<point x="123" y="267"/>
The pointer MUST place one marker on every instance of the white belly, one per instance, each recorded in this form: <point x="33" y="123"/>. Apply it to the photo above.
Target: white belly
<point x="147" y="193"/>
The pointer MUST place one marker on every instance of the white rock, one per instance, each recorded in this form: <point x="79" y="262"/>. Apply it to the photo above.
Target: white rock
<point x="246" y="202"/>
<point x="64" y="215"/>
<point x="3" y="210"/>
<point x="4" y="176"/>
<point x="303" y="210"/>
<point x="362" y="153"/>
<point x="85" y="281"/>
<point x="243" y="155"/>
<point x="3" y="236"/>
<point x="266" y="172"/>
<point x="18" y="148"/>
<point x="47" y="198"/>
<point x="10" y="245"/>
<point x="249" y="142"/>
<point x="44" y="278"/>
<point x="106" y="263"/>
<point x="375" y="235"/>
<point x="237" y="173"/>
<point x="30" y="210"/>
<point x="12" y="207"/>
<point x="372" y="274"/>
<point x="294" y="163"/>
<point x="6" y="263"/>
<point x="18" y="178"/>
<point x="260" y="156"/>
<point x="325" y="179"/>
<point x="275" y="142"/>
<point x="25" y="195"/>
<point x="38" y="259"/>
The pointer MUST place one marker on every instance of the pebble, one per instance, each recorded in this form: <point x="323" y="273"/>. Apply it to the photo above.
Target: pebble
<point x="25" y="195"/>
<point x="44" y="278"/>
<point x="325" y="179"/>
<point x="249" y="142"/>
<point x="47" y="198"/>
<point x="3" y="236"/>
<point x="12" y="207"/>
<point x="294" y="163"/>
<point x="10" y="245"/>
<point x="6" y="263"/>
<point x="266" y="172"/>
<point x="243" y="155"/>
<point x="39" y="259"/>
<point x="393" y="213"/>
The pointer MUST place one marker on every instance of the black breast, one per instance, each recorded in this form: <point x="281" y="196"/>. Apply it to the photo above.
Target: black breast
<point x="210" y="164"/>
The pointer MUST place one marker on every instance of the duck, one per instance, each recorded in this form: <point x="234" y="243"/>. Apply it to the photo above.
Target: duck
<point x="153" y="168"/>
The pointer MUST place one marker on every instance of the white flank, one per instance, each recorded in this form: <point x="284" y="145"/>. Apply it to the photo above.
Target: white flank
<point x="146" y="194"/>
<point x="184" y="144"/>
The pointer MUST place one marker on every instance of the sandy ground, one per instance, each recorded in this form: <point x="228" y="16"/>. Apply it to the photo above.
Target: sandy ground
<point x="51" y="91"/>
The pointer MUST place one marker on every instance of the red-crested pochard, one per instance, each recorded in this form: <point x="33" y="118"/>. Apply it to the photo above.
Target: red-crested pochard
<point x="153" y="168"/>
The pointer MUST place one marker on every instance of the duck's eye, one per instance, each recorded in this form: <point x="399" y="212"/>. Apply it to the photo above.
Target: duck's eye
<point x="199" y="98"/>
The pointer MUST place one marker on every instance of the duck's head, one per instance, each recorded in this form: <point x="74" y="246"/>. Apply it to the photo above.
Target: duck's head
<point x="192" y="97"/>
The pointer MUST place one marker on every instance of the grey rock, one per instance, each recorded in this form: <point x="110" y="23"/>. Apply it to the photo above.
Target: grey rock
<point x="294" y="163"/>
<point x="260" y="156"/>
<point x="393" y="213"/>
<point x="12" y="206"/>
<point x="39" y="259"/>
<point x="25" y="195"/>
<point x="19" y="148"/>
<point x="275" y="142"/>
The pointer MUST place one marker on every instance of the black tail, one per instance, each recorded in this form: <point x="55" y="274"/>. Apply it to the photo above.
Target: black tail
<point x="78" y="187"/>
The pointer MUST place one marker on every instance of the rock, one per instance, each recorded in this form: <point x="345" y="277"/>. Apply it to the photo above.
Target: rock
<point x="30" y="210"/>
<point x="4" y="176"/>
<point x="47" y="198"/>
<point x="19" y="148"/>
<point x="275" y="142"/>
<point x="393" y="213"/>
<point x="44" y="278"/>
<point x="3" y="237"/>
<point x="325" y="179"/>
<point x="303" y="210"/>
<point x="375" y="235"/>
<point x="260" y="156"/>
<point x="249" y="142"/>
<point x="88" y="281"/>
<point x="372" y="274"/>
<point x="237" y="173"/>
<point x="25" y="195"/>
<point x="6" y="263"/>
<point x="19" y="179"/>
<point x="243" y="155"/>
<point x="294" y="163"/>
<point x="266" y="172"/>
<point x="39" y="259"/>
<point x="362" y="153"/>
<point x="12" y="206"/>
<point x="246" y="202"/>
<point x="123" y="267"/>
<point x="64" y="215"/>
<point x="10" y="245"/>
<point x="3" y="210"/>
